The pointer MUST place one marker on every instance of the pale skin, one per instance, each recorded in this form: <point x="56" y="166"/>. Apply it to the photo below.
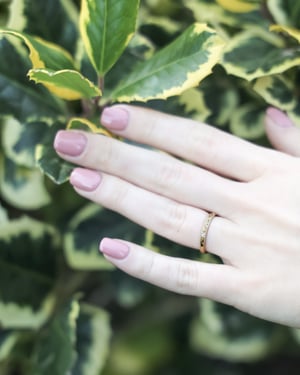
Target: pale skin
<point x="254" y="191"/>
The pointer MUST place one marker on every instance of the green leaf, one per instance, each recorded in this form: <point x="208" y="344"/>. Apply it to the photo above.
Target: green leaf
<point x="79" y="123"/>
<point x="18" y="96"/>
<point x="277" y="91"/>
<point x="28" y="272"/>
<point x="225" y="333"/>
<point x="106" y="28"/>
<point x="252" y="55"/>
<point x="66" y="84"/>
<point x="19" y="140"/>
<point x="248" y="121"/>
<point x="43" y="54"/>
<point x="54" y="350"/>
<point x="8" y="340"/>
<point x="285" y="12"/>
<point x="47" y="159"/>
<point x="21" y="187"/>
<point x="179" y="66"/>
<point x="93" y="340"/>
<point x="61" y="15"/>
<point x="86" y="230"/>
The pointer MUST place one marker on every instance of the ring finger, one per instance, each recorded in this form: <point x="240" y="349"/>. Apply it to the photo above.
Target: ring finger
<point x="176" y="221"/>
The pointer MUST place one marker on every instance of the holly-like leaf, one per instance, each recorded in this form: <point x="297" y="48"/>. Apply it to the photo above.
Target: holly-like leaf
<point x="86" y="230"/>
<point x="179" y="66"/>
<point x="8" y="339"/>
<point x="294" y="33"/>
<point x="47" y="159"/>
<point x="27" y="259"/>
<point x="79" y="123"/>
<point x="285" y="12"/>
<point x="92" y="340"/>
<point x="66" y="84"/>
<point x="43" y="54"/>
<point x="61" y="15"/>
<point x="223" y="332"/>
<point x="106" y="28"/>
<point x="251" y="55"/>
<point x="238" y="6"/>
<point x="55" y="348"/>
<point x="277" y="91"/>
<point x="21" y="187"/>
<point x="18" y="96"/>
<point x="19" y="140"/>
<point x="248" y="121"/>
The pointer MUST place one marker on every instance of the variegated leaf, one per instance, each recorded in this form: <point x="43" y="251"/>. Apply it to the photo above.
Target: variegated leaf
<point x="252" y="55"/>
<point x="93" y="340"/>
<point x="28" y="259"/>
<point x="179" y="66"/>
<point x="22" y="187"/>
<point x="43" y="54"/>
<point x="66" y="84"/>
<point x="106" y="28"/>
<point x="86" y="230"/>
<point x="223" y="332"/>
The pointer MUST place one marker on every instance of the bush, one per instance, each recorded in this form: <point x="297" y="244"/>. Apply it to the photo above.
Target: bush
<point x="63" y="309"/>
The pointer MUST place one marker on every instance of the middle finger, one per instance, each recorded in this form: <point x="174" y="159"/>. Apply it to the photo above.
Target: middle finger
<point x="151" y="170"/>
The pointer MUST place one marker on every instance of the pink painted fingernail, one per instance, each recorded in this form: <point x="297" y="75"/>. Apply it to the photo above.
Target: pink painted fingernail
<point x="85" y="179"/>
<point x="115" y="118"/>
<point x="70" y="143"/>
<point x="279" y="118"/>
<point x="114" y="248"/>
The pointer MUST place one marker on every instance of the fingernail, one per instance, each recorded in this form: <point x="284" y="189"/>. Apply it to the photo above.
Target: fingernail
<point x="114" y="249"/>
<point x="85" y="179"/>
<point x="279" y="118"/>
<point x="70" y="143"/>
<point x="115" y="118"/>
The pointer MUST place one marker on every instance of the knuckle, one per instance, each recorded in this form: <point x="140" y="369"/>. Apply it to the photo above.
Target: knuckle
<point x="173" y="218"/>
<point x="200" y="142"/>
<point x="107" y="152"/>
<point x="186" y="276"/>
<point x="115" y="195"/>
<point x="169" y="174"/>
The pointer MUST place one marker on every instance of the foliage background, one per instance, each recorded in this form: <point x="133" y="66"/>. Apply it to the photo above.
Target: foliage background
<point x="54" y="313"/>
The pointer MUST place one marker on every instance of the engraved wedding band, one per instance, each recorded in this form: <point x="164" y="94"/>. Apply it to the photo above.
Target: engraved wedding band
<point x="204" y="231"/>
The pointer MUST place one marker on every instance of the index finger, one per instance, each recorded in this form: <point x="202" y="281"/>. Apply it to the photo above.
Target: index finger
<point x="202" y="144"/>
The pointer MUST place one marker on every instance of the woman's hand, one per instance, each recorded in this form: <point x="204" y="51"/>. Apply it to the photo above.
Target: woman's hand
<point x="254" y="191"/>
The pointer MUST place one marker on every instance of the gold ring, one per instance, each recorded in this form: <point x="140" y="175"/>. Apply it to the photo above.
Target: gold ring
<point x="204" y="231"/>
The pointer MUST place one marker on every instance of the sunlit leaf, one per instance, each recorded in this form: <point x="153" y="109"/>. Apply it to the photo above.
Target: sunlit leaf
<point x="66" y="84"/>
<point x="106" y="28"/>
<point x="176" y="68"/>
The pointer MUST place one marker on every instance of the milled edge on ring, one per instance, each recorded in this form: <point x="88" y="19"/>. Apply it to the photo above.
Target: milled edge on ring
<point x="204" y="231"/>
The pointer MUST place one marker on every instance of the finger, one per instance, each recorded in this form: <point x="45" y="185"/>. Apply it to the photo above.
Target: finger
<point x="177" y="222"/>
<point x="202" y="144"/>
<point x="214" y="281"/>
<point x="282" y="132"/>
<point x="151" y="170"/>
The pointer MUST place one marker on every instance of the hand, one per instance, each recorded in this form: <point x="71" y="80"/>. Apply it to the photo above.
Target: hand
<point x="254" y="191"/>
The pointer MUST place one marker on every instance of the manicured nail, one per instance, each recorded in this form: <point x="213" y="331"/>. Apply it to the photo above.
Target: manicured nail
<point x="85" y="179"/>
<point x="114" y="248"/>
<point x="279" y="118"/>
<point x="70" y="143"/>
<point x="115" y="118"/>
